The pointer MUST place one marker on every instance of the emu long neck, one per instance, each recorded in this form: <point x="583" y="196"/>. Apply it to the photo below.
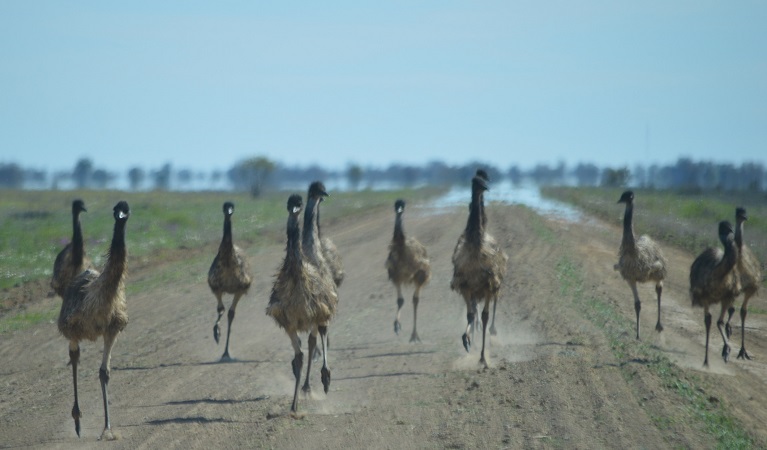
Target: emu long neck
<point x="293" y="257"/>
<point x="226" y="246"/>
<point x="739" y="235"/>
<point x="78" y="250"/>
<point x="311" y="232"/>
<point x="628" y="228"/>
<point x="730" y="257"/>
<point x="117" y="259"/>
<point x="399" y="231"/>
<point x="475" y="228"/>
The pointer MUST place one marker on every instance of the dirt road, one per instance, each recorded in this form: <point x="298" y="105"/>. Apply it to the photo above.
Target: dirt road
<point x="555" y="380"/>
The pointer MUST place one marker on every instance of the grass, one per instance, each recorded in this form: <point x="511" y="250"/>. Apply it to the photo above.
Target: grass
<point x="23" y="320"/>
<point x="685" y="220"/>
<point x="35" y="225"/>
<point x="713" y="418"/>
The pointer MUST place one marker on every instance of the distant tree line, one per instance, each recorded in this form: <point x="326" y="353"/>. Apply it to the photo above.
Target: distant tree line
<point x="259" y="174"/>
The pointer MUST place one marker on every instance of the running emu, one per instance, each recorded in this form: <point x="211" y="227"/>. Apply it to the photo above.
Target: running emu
<point x="407" y="264"/>
<point x="479" y="266"/>
<point x="93" y="306"/>
<point x="71" y="260"/>
<point x="750" y="272"/>
<point x="640" y="260"/>
<point x="303" y="298"/>
<point x="714" y="279"/>
<point x="229" y="273"/>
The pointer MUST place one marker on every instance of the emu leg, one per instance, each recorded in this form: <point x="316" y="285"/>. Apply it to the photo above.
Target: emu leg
<point x="493" y="332"/>
<point x="74" y="359"/>
<point x="743" y="354"/>
<point x="312" y="346"/>
<point x="414" y="337"/>
<point x="230" y="316"/>
<point x="469" y="324"/>
<point x="104" y="371"/>
<point x="323" y="329"/>
<point x="659" y="291"/>
<point x="485" y="318"/>
<point x="637" y="302"/>
<point x="296" y="364"/>
<point x="707" y="322"/>
<point x="220" y="309"/>
<point x="727" y="327"/>
<point x="400" y="302"/>
<point x="720" y="325"/>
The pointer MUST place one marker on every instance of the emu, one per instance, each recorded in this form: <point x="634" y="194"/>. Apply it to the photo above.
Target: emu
<point x="94" y="306"/>
<point x="229" y="273"/>
<point x="479" y="266"/>
<point x="407" y="264"/>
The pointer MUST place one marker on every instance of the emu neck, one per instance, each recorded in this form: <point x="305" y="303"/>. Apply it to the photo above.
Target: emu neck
<point x="399" y="232"/>
<point x="730" y="257"/>
<point x="78" y="250"/>
<point x="293" y="257"/>
<point x="311" y="232"/>
<point x="628" y="227"/>
<point x="226" y="246"/>
<point x="474" y="226"/>
<point x="114" y="269"/>
<point x="739" y="234"/>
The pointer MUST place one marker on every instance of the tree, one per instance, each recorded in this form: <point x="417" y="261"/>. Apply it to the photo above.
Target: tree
<point x="162" y="178"/>
<point x="136" y="176"/>
<point x="252" y="174"/>
<point x="354" y="175"/>
<point x="615" y="177"/>
<point x="101" y="178"/>
<point x="11" y="176"/>
<point x="82" y="173"/>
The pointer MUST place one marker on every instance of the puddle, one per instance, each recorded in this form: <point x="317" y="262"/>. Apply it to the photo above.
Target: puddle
<point x="506" y="192"/>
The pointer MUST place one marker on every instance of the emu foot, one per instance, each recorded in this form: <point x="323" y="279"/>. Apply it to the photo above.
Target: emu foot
<point x="493" y="331"/>
<point x="76" y="415"/>
<point x="226" y="358"/>
<point x="658" y="327"/>
<point x="325" y="378"/>
<point x="397" y="327"/>
<point x="216" y="332"/>
<point x="726" y="352"/>
<point x="483" y="362"/>
<point x="743" y="354"/>
<point x="306" y="389"/>
<point x="108" y="435"/>
<point x="466" y="342"/>
<point x="414" y="337"/>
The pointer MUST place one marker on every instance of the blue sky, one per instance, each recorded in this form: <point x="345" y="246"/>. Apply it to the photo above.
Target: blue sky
<point x="204" y="84"/>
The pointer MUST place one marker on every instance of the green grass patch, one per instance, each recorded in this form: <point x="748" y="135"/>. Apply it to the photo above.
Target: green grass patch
<point x="713" y="418"/>
<point x="36" y="225"/>
<point x="25" y="319"/>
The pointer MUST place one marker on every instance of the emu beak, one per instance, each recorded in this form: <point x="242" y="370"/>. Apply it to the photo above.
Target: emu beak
<point x="122" y="215"/>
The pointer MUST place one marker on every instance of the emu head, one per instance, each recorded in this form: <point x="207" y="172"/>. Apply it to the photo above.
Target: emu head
<point x="627" y="197"/>
<point x="317" y="189"/>
<point x="399" y="206"/>
<point x="479" y="184"/>
<point x="78" y="206"/>
<point x="740" y="214"/>
<point x="228" y="208"/>
<point x="482" y="174"/>
<point x="121" y="211"/>
<point x="294" y="204"/>
<point x="725" y="230"/>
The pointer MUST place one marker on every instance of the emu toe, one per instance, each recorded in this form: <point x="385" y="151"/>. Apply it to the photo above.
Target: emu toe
<point x="726" y="352"/>
<point x="216" y="332"/>
<point x="397" y="327"/>
<point x="414" y="337"/>
<point x="742" y="354"/>
<point x="226" y="358"/>
<point x="76" y="415"/>
<point x="493" y="331"/>
<point x="466" y="342"/>
<point x="326" y="378"/>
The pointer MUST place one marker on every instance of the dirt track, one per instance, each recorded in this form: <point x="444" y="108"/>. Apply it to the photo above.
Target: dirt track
<point x="553" y="381"/>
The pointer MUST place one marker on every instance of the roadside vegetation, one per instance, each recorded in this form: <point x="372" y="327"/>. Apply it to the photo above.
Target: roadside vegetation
<point x="36" y="225"/>
<point x="686" y="220"/>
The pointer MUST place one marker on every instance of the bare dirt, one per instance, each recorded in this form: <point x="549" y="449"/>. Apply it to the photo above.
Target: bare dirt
<point x="553" y="382"/>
